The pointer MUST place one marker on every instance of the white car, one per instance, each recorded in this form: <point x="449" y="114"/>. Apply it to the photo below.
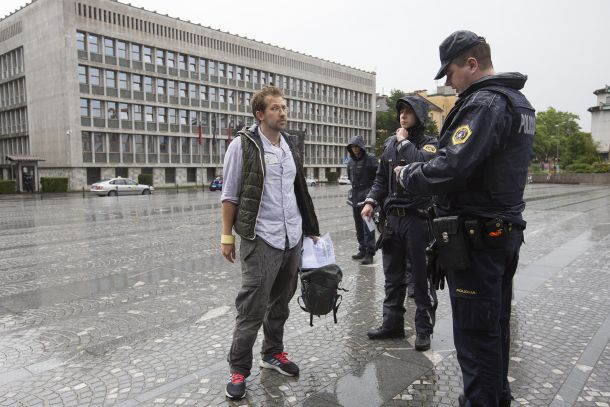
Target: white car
<point x="310" y="181"/>
<point x="343" y="180"/>
<point x="120" y="186"/>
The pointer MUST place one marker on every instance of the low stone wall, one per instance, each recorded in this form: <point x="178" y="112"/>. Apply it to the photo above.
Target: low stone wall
<point x="571" y="178"/>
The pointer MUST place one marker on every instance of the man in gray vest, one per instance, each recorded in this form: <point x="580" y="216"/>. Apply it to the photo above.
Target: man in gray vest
<point x="265" y="199"/>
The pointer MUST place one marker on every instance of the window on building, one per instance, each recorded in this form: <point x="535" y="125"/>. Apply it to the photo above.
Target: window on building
<point x="221" y="70"/>
<point x="111" y="108"/>
<point x="137" y="113"/>
<point x="202" y="69"/>
<point x="96" y="108"/>
<point x="239" y="73"/>
<point x="212" y="67"/>
<point x="162" y="114"/>
<point x="136" y="82"/>
<point x="86" y="138"/>
<point x="170" y="175"/>
<point x="173" y="119"/>
<point x="150" y="114"/>
<point x="94" y="44"/>
<point x="126" y="141"/>
<point x="254" y="76"/>
<point x="212" y="94"/>
<point x="263" y="78"/>
<point x="221" y="95"/>
<point x="182" y="89"/>
<point x="151" y="144"/>
<point x="94" y="76"/>
<point x="121" y="49"/>
<point x="80" y="41"/>
<point x="139" y="143"/>
<point x="182" y="62"/>
<point x="160" y="57"/>
<point x="82" y="74"/>
<point x="160" y="86"/>
<point x="114" y="143"/>
<point x="109" y="47"/>
<point x="147" y="52"/>
<point x="84" y="107"/>
<point x="203" y="92"/>
<point x="123" y="111"/>
<point x="136" y="52"/>
<point x="148" y="84"/>
<point x="230" y="71"/>
<point x="163" y="145"/>
<point x="183" y="117"/>
<point x="247" y="75"/>
<point x="193" y="118"/>
<point x="192" y="64"/>
<point x="99" y="141"/>
<point x="171" y="59"/>
<point x="173" y="141"/>
<point x="123" y="80"/>
<point x="191" y="173"/>
<point x="193" y="91"/>
<point x="110" y="79"/>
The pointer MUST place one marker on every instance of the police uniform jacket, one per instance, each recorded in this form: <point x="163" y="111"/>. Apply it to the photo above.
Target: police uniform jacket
<point x="360" y="171"/>
<point x="484" y="152"/>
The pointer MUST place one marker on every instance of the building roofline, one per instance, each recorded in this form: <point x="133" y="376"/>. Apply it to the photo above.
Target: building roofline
<point x="602" y="90"/>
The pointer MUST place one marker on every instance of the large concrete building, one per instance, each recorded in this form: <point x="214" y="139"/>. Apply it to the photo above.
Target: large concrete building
<point x="92" y="89"/>
<point x="600" y="120"/>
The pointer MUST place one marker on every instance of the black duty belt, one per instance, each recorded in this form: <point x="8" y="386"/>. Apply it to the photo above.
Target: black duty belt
<point x="400" y="212"/>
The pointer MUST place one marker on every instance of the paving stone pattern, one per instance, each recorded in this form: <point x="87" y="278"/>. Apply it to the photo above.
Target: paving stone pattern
<point x="127" y="302"/>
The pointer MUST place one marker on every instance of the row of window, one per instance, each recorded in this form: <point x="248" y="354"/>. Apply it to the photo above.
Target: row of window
<point x="14" y="145"/>
<point x="128" y="148"/>
<point x="112" y="17"/>
<point x="136" y="52"/>
<point x="11" y="64"/>
<point x="12" y="93"/>
<point x="14" y="121"/>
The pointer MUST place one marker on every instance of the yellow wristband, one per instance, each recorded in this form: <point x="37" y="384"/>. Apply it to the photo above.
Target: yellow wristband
<point x="227" y="239"/>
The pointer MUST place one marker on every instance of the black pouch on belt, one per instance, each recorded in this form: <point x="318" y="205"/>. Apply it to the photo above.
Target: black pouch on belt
<point x="495" y="233"/>
<point x="453" y="249"/>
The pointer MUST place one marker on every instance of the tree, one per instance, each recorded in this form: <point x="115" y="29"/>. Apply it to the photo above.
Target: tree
<point x="560" y="139"/>
<point x="431" y="127"/>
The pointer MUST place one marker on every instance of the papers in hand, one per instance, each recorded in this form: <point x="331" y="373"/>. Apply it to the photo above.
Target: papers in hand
<point x="319" y="254"/>
<point x="370" y="223"/>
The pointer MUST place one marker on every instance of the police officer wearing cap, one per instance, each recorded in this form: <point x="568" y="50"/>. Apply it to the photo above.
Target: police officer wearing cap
<point x="406" y="234"/>
<point x="479" y="175"/>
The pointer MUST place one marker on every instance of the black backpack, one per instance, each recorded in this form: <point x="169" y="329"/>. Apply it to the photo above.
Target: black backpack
<point x="319" y="291"/>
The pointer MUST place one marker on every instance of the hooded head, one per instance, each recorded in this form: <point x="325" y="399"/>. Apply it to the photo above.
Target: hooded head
<point x="419" y="106"/>
<point x="356" y="141"/>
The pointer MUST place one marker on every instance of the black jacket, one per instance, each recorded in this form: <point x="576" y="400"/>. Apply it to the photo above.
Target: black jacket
<point x="418" y="148"/>
<point x="484" y="151"/>
<point x="360" y="171"/>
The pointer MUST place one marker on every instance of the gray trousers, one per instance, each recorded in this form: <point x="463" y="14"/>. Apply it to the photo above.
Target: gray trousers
<point x="268" y="283"/>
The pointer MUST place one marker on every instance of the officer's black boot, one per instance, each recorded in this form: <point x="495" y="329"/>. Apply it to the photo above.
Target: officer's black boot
<point x="368" y="259"/>
<point x="422" y="342"/>
<point x="359" y="255"/>
<point x="385" y="333"/>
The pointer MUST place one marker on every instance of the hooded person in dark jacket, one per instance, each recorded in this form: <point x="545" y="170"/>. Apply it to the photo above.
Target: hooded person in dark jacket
<point x="361" y="170"/>
<point x="406" y="233"/>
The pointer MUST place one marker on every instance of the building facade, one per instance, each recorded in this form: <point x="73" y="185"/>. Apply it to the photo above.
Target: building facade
<point x="97" y="89"/>
<point x="600" y="120"/>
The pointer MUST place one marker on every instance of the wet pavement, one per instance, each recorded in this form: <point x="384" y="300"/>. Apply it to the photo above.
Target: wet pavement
<point x="127" y="302"/>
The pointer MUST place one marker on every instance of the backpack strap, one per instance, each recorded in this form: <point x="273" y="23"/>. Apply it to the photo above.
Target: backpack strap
<point x="338" y="299"/>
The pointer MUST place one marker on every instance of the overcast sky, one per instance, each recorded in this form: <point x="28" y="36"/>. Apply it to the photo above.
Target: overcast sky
<point x="561" y="45"/>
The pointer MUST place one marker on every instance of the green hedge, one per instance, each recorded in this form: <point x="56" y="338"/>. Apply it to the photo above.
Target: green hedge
<point x="54" y="184"/>
<point x="8" y="186"/>
<point x="146" y="179"/>
<point x="579" y="168"/>
<point x="332" y="176"/>
<point x="601" y="168"/>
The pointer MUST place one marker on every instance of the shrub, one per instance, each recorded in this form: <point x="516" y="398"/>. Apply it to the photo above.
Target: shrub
<point x="580" y="168"/>
<point x="146" y="179"/>
<point x="601" y="168"/>
<point x="54" y="184"/>
<point x="332" y="176"/>
<point x="8" y="186"/>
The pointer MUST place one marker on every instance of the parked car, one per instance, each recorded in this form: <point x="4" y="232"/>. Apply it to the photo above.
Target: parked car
<point x="310" y="181"/>
<point x="216" y="184"/>
<point x="120" y="186"/>
<point x="343" y="180"/>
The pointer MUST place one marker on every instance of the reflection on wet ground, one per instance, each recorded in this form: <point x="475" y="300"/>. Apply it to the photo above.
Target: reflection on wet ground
<point x="126" y="301"/>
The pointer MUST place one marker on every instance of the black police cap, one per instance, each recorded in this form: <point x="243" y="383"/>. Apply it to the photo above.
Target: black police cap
<point x="455" y="45"/>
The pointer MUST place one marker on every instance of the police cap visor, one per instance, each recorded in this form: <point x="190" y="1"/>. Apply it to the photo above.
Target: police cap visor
<point x="454" y="46"/>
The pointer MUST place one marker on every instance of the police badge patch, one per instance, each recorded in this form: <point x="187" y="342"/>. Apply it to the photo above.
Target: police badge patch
<point x="461" y="134"/>
<point x="429" y="148"/>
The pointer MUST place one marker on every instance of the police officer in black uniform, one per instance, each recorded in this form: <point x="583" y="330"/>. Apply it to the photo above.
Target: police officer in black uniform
<point x="479" y="174"/>
<point x="406" y="233"/>
<point x="361" y="170"/>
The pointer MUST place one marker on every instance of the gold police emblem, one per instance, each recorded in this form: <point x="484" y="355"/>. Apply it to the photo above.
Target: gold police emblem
<point x="429" y="148"/>
<point x="461" y="134"/>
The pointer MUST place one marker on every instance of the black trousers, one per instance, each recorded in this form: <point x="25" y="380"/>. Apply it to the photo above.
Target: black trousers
<point x="366" y="237"/>
<point x="404" y="260"/>
<point x="481" y="306"/>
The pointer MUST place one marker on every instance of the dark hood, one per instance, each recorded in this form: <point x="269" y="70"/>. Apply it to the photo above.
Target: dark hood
<point x="358" y="141"/>
<point x="420" y="107"/>
<point x="514" y="80"/>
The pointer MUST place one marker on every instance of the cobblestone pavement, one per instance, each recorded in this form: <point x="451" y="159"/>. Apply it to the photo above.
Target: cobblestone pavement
<point x="127" y="302"/>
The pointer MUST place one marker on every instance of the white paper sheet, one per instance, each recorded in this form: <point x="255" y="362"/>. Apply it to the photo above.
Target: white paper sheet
<point x="317" y="255"/>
